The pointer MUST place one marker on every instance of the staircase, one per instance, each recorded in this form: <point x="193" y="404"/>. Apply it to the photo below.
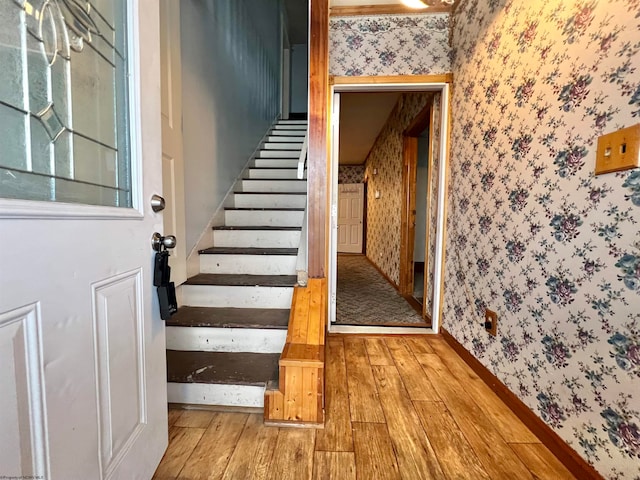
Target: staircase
<point x="224" y="343"/>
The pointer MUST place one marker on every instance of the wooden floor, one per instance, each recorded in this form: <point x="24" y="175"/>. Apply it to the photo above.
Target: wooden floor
<point x="396" y="408"/>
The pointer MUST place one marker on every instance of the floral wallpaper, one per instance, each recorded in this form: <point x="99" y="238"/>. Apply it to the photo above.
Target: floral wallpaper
<point x="389" y="45"/>
<point x="350" y="173"/>
<point x="383" y="214"/>
<point x="532" y="233"/>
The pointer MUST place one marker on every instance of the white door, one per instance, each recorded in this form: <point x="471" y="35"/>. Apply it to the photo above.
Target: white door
<point x="350" y="214"/>
<point x="172" y="159"/>
<point x="82" y="347"/>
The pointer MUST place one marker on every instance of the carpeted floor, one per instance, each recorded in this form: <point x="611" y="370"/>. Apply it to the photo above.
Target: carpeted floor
<point x="365" y="297"/>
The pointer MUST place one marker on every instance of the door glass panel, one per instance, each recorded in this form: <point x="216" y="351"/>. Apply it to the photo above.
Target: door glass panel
<point x="64" y="102"/>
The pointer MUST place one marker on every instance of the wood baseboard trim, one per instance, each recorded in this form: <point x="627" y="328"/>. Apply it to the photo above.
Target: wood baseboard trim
<point x="564" y="453"/>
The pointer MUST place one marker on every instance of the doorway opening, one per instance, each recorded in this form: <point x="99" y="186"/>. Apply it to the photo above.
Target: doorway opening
<point x="395" y="248"/>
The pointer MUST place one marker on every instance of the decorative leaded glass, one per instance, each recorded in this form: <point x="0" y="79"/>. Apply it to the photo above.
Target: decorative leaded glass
<point x="63" y="102"/>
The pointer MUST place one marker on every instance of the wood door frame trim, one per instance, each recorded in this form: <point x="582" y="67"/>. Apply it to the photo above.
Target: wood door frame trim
<point x="399" y="79"/>
<point x="421" y="121"/>
<point x="549" y="438"/>
<point x="386" y="9"/>
<point x="404" y="83"/>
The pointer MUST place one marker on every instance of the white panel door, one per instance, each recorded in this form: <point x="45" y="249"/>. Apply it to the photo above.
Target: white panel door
<point x="172" y="156"/>
<point x="350" y="215"/>
<point x="82" y="346"/>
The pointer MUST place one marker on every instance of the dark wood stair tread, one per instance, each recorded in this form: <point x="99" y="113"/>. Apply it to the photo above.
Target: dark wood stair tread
<point x="222" y="367"/>
<point x="267" y="318"/>
<point x="248" y="251"/>
<point x="258" y="228"/>
<point x="237" y="280"/>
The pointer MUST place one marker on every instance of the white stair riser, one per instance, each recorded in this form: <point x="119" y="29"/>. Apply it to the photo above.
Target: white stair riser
<point x="236" y="297"/>
<point x="216" y="394"/>
<point x="275" y="162"/>
<point x="283" y="146"/>
<point x="263" y="218"/>
<point x="256" y="238"/>
<point x="249" y="264"/>
<point x="273" y="173"/>
<point x="290" y="127"/>
<point x="273" y="186"/>
<point x="286" y="139"/>
<point x="292" y="122"/>
<point x="205" y="339"/>
<point x="279" y="154"/>
<point x="269" y="200"/>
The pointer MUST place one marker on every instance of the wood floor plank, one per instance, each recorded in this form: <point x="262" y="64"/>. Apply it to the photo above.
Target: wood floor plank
<point x="375" y="458"/>
<point x="415" y="380"/>
<point x="456" y="457"/>
<point x="458" y="436"/>
<point x="173" y="415"/>
<point x="194" y="419"/>
<point x="378" y="351"/>
<point x="336" y="435"/>
<point x="293" y="457"/>
<point x="253" y="454"/>
<point x="419" y="344"/>
<point x="211" y="456"/>
<point x="364" y="403"/>
<point x="182" y="442"/>
<point x="542" y="463"/>
<point x="508" y="424"/>
<point x="498" y="460"/>
<point x="334" y="465"/>
<point x="416" y="458"/>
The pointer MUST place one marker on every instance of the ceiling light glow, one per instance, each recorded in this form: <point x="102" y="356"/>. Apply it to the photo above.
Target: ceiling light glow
<point x="415" y="3"/>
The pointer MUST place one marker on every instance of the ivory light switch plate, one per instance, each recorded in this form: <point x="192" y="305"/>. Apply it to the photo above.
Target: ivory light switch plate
<point x="619" y="150"/>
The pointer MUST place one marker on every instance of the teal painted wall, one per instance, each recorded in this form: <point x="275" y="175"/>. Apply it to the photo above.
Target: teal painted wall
<point x="231" y="69"/>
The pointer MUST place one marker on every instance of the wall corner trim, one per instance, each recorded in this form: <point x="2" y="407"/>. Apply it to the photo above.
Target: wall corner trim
<point x="550" y="439"/>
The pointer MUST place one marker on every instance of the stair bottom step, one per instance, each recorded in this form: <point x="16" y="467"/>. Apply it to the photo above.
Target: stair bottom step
<point x="250" y="369"/>
<point x="220" y="378"/>
<point x="218" y="395"/>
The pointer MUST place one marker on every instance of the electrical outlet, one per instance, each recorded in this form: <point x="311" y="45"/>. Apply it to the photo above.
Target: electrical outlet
<point x="491" y="322"/>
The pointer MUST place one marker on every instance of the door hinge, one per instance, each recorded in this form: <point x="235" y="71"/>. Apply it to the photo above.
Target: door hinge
<point x="334" y="211"/>
<point x="333" y="298"/>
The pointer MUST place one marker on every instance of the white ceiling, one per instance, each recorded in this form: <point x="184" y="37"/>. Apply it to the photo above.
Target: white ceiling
<point x="362" y="116"/>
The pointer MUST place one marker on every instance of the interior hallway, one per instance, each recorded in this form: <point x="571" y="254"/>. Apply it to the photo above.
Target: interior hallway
<point x="365" y="297"/>
<point x="396" y="407"/>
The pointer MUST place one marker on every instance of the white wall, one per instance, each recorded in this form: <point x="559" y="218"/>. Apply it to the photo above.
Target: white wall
<point x="231" y="68"/>
<point x="299" y="78"/>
